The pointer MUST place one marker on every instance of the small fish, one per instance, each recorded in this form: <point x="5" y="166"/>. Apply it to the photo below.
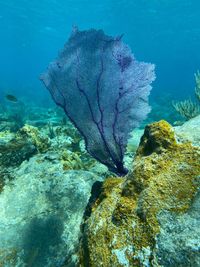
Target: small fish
<point x="11" y="98"/>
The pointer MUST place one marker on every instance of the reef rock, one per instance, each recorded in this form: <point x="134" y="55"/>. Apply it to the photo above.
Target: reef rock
<point x="14" y="149"/>
<point x="17" y="147"/>
<point x="41" y="212"/>
<point x="189" y="131"/>
<point x="150" y="217"/>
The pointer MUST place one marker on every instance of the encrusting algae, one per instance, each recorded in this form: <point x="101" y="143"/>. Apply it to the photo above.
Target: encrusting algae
<point x="18" y="147"/>
<point x="41" y="142"/>
<point x="123" y="225"/>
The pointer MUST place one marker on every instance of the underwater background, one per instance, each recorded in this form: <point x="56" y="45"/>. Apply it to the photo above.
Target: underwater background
<point x="59" y="205"/>
<point x="164" y="32"/>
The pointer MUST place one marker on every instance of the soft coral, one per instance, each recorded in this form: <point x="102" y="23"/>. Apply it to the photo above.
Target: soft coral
<point x="103" y="90"/>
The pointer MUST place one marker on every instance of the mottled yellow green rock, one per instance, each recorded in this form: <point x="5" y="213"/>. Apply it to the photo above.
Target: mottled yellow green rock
<point x="40" y="141"/>
<point x="13" y="150"/>
<point x="10" y="259"/>
<point x="123" y="226"/>
<point x="17" y="147"/>
<point x="75" y="161"/>
<point x="71" y="160"/>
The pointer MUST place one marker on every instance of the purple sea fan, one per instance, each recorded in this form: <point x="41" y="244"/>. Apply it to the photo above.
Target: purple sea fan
<point x="103" y="90"/>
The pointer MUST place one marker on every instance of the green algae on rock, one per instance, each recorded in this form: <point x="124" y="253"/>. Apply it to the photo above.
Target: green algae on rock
<point x="14" y="149"/>
<point x="17" y="147"/>
<point x="41" y="212"/>
<point x="40" y="141"/>
<point x="43" y="201"/>
<point x="124" y="228"/>
<point x="20" y="146"/>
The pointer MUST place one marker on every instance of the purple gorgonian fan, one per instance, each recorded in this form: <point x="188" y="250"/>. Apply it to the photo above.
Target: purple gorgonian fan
<point x="103" y="90"/>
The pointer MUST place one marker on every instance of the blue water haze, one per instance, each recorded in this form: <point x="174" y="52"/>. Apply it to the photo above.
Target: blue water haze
<point x="164" y="32"/>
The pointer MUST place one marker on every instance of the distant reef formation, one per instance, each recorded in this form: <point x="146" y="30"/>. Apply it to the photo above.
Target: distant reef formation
<point x="150" y="217"/>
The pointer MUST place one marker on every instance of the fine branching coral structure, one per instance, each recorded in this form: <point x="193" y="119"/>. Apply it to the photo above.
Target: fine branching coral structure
<point x="103" y="90"/>
<point x="188" y="108"/>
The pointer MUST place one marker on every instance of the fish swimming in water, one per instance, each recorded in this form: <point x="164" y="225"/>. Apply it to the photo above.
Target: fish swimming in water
<point x="11" y="98"/>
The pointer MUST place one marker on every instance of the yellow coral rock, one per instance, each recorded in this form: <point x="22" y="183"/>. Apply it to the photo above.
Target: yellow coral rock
<point x="123" y="225"/>
<point x="40" y="141"/>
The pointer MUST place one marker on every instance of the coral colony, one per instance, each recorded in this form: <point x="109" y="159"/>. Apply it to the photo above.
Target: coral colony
<point x="103" y="90"/>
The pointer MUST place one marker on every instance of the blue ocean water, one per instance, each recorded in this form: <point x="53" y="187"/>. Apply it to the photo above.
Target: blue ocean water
<point x="164" y="32"/>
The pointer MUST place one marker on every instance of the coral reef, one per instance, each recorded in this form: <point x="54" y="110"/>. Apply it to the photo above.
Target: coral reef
<point x="142" y="219"/>
<point x="14" y="149"/>
<point x="14" y="116"/>
<point x="44" y="189"/>
<point x="40" y="213"/>
<point x="43" y="197"/>
<point x="17" y="147"/>
<point x="148" y="218"/>
<point x="100" y="74"/>
<point x="187" y="108"/>
<point x="40" y="141"/>
<point x="29" y="140"/>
